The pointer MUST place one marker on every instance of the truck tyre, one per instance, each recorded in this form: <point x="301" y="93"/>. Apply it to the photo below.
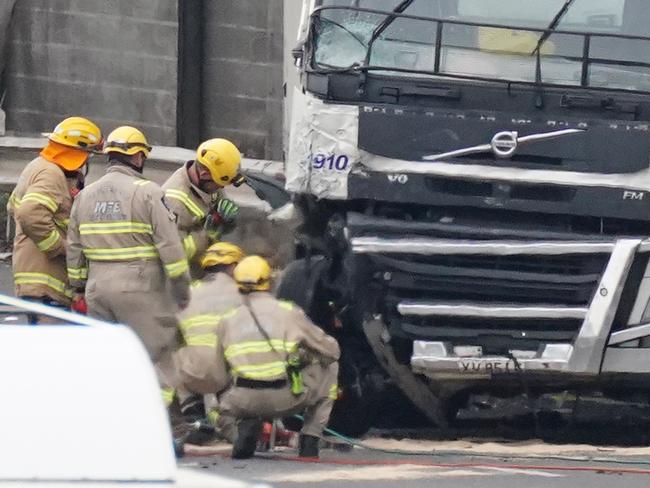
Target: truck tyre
<point x="301" y="283"/>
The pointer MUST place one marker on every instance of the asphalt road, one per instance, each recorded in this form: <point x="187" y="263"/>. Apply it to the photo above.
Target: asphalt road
<point x="361" y="468"/>
<point x="6" y="281"/>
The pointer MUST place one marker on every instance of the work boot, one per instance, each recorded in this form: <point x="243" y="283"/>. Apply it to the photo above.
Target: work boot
<point x="195" y="427"/>
<point x="308" y="446"/>
<point x="248" y="431"/>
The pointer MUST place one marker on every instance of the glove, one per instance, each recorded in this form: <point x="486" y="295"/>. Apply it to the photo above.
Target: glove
<point x="213" y="226"/>
<point x="79" y="305"/>
<point x="227" y="210"/>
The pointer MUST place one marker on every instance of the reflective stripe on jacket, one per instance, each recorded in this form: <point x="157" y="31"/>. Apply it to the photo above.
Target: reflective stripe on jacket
<point x="120" y="218"/>
<point x="191" y="205"/>
<point x="40" y="205"/>
<point x="237" y="348"/>
<point x="216" y="294"/>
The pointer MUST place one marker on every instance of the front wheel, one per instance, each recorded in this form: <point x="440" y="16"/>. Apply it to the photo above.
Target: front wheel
<point x="302" y="283"/>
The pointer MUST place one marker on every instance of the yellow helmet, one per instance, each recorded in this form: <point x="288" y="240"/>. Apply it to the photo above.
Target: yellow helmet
<point x="127" y="140"/>
<point x="77" y="132"/>
<point x="253" y="274"/>
<point x="221" y="253"/>
<point x="221" y="158"/>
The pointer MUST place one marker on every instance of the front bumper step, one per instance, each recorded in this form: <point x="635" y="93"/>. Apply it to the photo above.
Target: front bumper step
<point x="434" y="359"/>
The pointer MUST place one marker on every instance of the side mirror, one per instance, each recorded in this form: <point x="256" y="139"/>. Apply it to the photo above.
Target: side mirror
<point x="298" y="54"/>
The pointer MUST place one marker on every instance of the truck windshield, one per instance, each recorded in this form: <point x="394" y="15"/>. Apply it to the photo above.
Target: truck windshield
<point x="597" y="43"/>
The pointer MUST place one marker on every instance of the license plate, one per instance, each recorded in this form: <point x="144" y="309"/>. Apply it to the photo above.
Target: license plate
<point x="486" y="366"/>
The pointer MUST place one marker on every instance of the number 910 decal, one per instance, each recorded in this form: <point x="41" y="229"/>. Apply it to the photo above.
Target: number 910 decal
<point x="330" y="162"/>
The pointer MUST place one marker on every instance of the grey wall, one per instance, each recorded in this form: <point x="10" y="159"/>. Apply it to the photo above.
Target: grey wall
<point x="243" y="74"/>
<point x="114" y="61"/>
<point x="6" y="9"/>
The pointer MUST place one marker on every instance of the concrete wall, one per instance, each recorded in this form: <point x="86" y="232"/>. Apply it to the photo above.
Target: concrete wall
<point x="114" y="61"/>
<point x="243" y="74"/>
<point x="6" y="11"/>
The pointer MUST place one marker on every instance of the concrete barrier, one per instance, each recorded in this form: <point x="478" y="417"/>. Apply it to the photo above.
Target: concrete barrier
<point x="255" y="232"/>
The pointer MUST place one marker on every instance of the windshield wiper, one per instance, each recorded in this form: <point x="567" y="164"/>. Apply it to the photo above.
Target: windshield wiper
<point x="379" y="30"/>
<point x="552" y="26"/>
<point x="539" y="102"/>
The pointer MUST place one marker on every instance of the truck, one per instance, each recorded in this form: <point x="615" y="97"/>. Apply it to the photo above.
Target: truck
<point x="474" y="179"/>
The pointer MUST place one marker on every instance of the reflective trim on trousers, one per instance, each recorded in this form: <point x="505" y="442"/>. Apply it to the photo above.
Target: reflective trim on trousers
<point x="285" y="304"/>
<point x="78" y="273"/>
<point x="333" y="392"/>
<point x="213" y="417"/>
<point x="167" y="395"/>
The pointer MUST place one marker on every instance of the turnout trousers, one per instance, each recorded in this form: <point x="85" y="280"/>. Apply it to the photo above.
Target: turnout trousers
<point x="134" y="293"/>
<point x="320" y="384"/>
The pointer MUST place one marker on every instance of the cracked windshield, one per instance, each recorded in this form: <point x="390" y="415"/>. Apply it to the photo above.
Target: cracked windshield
<point x="490" y="39"/>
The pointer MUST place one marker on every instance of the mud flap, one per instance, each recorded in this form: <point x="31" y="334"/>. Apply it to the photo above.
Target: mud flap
<point x="269" y="189"/>
<point x="415" y="389"/>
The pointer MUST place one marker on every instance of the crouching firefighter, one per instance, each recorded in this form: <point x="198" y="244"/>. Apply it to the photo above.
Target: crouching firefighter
<point x="268" y="361"/>
<point x="195" y="194"/>
<point x="125" y="255"/>
<point x="215" y="294"/>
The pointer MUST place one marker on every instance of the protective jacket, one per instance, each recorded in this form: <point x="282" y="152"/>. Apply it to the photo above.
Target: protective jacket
<point x="191" y="205"/>
<point x="244" y="360"/>
<point x="122" y="218"/>
<point x="211" y="297"/>
<point x="40" y="205"/>
<point x="124" y="249"/>
<point x="215" y="294"/>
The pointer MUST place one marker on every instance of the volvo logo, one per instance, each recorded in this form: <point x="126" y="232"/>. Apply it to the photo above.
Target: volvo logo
<point x="504" y="144"/>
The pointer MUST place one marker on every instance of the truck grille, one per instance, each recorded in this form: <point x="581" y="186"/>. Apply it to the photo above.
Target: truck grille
<point x="498" y="294"/>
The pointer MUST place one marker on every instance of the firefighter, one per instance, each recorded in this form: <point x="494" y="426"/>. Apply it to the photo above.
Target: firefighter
<point x="215" y="294"/>
<point x="125" y="256"/>
<point x="195" y="194"/>
<point x="40" y="205"/>
<point x="268" y="360"/>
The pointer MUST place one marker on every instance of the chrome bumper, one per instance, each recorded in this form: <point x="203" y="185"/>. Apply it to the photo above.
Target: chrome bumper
<point x="584" y="356"/>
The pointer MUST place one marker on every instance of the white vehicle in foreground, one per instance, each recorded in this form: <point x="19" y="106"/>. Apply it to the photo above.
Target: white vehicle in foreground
<point x="81" y="407"/>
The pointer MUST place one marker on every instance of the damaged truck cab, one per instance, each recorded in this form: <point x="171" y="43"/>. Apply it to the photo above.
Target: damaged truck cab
<point x="475" y="181"/>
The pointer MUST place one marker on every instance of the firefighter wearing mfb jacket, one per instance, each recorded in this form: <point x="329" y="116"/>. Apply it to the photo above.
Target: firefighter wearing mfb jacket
<point x="40" y="205"/>
<point x="194" y="193"/>
<point x="125" y="252"/>
<point x="268" y="360"/>
<point x="215" y="294"/>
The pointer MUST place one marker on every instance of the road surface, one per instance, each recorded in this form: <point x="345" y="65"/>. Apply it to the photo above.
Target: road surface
<point x="367" y="469"/>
